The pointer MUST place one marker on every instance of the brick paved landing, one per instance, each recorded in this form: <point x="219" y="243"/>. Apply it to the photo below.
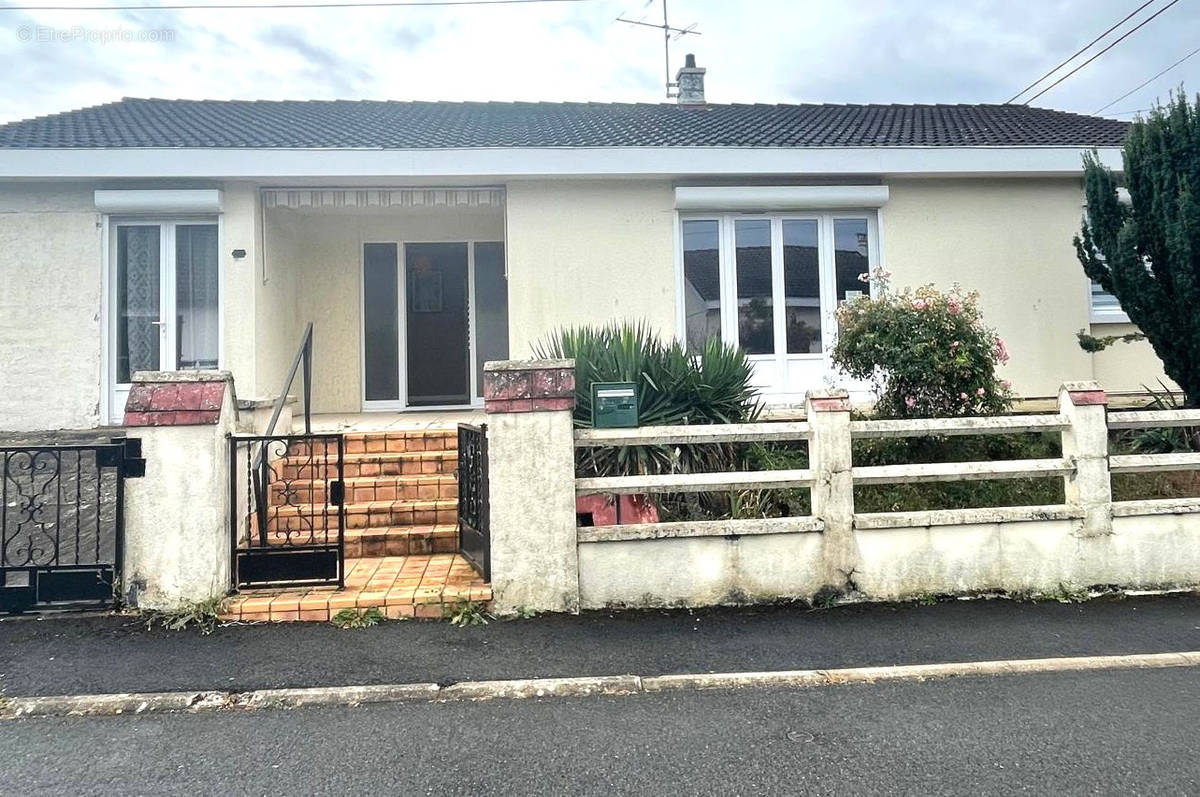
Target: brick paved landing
<point x="399" y="586"/>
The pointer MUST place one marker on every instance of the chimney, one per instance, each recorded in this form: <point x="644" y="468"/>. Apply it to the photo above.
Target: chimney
<point x="690" y="80"/>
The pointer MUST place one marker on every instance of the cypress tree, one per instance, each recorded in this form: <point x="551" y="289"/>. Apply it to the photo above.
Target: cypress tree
<point x="1148" y="253"/>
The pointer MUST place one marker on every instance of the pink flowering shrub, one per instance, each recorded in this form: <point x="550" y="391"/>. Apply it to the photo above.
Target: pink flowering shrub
<point x="927" y="353"/>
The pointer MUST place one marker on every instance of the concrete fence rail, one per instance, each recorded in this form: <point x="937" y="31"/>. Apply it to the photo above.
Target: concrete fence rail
<point x="1087" y="540"/>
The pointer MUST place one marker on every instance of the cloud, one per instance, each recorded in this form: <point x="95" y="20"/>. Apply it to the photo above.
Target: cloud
<point x="765" y="51"/>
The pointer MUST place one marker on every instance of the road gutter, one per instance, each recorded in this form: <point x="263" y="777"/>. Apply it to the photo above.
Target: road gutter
<point x="587" y="686"/>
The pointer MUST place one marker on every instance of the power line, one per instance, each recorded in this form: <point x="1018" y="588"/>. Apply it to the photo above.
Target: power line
<point x="1079" y="51"/>
<point x="236" y="6"/>
<point x="1148" y="82"/>
<point x="1113" y="44"/>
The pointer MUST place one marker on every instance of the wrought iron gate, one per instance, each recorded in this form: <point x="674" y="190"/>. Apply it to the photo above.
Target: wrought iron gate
<point x="474" y="532"/>
<point x="287" y="511"/>
<point x="62" y="523"/>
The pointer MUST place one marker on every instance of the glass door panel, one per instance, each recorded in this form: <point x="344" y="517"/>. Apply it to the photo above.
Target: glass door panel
<point x="851" y="253"/>
<point x="491" y="307"/>
<point x="381" y="322"/>
<point x="138" y="282"/>
<point x="197" y="331"/>
<point x="437" y="311"/>
<point x="755" y="286"/>
<point x="701" y="282"/>
<point x="802" y="286"/>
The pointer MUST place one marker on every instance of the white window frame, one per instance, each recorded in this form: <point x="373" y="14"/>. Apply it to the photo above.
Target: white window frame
<point x="112" y="393"/>
<point x="727" y="272"/>
<point x="1106" y="315"/>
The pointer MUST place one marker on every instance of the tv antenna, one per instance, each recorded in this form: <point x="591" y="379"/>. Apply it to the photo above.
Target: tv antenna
<point x="667" y="30"/>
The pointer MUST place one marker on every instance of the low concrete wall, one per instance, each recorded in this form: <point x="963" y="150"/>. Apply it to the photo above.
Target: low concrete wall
<point x="1088" y="540"/>
<point x="699" y="571"/>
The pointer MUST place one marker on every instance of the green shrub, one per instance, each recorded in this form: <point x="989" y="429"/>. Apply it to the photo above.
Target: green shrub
<point x="926" y="353"/>
<point x="674" y="388"/>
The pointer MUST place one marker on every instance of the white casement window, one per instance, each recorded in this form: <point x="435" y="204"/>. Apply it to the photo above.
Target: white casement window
<point x="770" y="283"/>
<point x="163" y="299"/>
<point x="1105" y="307"/>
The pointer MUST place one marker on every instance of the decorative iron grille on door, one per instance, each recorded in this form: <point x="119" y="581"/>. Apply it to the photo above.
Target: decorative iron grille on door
<point x="287" y="511"/>
<point x="62" y="523"/>
<point x="474" y="531"/>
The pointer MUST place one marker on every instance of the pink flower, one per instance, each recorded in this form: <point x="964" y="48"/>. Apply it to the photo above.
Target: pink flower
<point x="980" y="392"/>
<point x="954" y="306"/>
<point x="1007" y="384"/>
<point x="910" y="402"/>
<point x="962" y="396"/>
<point x="919" y="304"/>
<point x="1001" y="351"/>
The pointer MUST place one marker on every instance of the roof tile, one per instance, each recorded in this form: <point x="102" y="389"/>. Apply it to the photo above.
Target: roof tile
<point x="343" y="124"/>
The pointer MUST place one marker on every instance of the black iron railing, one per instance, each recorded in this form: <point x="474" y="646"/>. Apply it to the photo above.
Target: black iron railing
<point x="62" y="523"/>
<point x="260" y="462"/>
<point x="287" y="514"/>
<point x="474" y="510"/>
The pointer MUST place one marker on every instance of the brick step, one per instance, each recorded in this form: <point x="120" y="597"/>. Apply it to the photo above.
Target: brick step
<point x="408" y="463"/>
<point x="380" y="541"/>
<point x="409" y="441"/>
<point x="399" y="586"/>
<point x="358" y="489"/>
<point x="368" y="514"/>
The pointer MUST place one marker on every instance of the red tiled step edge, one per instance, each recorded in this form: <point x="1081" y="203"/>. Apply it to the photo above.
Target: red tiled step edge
<point x="384" y="541"/>
<point x="359" y="489"/>
<point x="399" y="586"/>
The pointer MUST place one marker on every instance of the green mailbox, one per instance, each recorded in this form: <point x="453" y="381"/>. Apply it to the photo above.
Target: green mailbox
<point x="614" y="405"/>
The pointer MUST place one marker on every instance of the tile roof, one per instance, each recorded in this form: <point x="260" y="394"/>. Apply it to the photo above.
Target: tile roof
<point x="383" y="125"/>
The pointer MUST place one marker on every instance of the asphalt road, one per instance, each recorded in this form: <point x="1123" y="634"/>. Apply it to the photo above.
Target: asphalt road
<point x="117" y="654"/>
<point x="1122" y="732"/>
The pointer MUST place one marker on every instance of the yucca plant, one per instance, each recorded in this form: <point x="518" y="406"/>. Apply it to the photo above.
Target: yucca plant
<point x="674" y="388"/>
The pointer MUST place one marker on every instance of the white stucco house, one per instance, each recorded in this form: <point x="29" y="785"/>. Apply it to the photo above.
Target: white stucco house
<point x="424" y="238"/>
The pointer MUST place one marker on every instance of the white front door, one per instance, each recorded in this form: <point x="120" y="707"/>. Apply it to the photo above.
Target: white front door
<point x="771" y="283"/>
<point x="163" y="301"/>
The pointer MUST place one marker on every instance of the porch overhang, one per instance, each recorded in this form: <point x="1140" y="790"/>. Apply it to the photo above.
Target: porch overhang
<point x="382" y="198"/>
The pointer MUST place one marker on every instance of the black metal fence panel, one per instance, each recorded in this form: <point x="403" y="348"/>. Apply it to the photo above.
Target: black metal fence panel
<point x="474" y="532"/>
<point x="62" y="523"/>
<point x="287" y="512"/>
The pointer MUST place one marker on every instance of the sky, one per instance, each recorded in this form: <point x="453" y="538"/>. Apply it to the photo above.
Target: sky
<point x="844" y="51"/>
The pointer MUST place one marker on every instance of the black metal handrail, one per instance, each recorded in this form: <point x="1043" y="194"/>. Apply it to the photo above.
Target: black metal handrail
<point x="260" y="465"/>
<point x="303" y="356"/>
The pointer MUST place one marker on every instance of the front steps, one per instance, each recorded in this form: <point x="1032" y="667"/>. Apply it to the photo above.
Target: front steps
<point x="401" y="537"/>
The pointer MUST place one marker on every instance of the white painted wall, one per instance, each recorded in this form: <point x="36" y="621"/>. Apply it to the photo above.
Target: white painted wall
<point x="589" y="252"/>
<point x="1010" y="240"/>
<point x="579" y="252"/>
<point x="50" y="288"/>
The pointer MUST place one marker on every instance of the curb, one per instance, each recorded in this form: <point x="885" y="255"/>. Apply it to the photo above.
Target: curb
<point x="588" y="686"/>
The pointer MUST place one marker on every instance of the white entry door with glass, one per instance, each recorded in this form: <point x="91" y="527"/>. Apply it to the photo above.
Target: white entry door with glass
<point x="433" y="314"/>
<point x="770" y="283"/>
<point x="164" y="301"/>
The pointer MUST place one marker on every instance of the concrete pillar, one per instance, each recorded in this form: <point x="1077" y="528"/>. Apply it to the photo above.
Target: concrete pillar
<point x="177" y="537"/>
<point x="1085" y="443"/>
<point x="531" y="468"/>
<point x="829" y="456"/>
